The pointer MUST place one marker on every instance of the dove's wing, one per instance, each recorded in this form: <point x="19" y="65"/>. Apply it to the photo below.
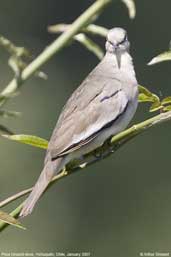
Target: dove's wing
<point x="83" y="118"/>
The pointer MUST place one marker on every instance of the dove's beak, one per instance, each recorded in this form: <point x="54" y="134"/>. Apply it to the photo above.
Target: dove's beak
<point x="118" y="57"/>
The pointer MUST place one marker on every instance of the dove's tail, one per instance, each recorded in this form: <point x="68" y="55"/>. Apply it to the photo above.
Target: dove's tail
<point x="50" y="168"/>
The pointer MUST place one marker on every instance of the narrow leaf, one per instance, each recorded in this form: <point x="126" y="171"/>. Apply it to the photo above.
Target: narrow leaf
<point x="5" y="217"/>
<point x="166" y="56"/>
<point x="29" y="139"/>
<point x="130" y="4"/>
<point x="155" y="107"/>
<point x="146" y="95"/>
<point x="144" y="98"/>
<point x="90" y="45"/>
<point x="167" y="108"/>
<point x="144" y="90"/>
<point x="166" y="100"/>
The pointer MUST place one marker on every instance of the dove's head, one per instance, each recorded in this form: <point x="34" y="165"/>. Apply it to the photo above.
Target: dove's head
<point x="117" y="43"/>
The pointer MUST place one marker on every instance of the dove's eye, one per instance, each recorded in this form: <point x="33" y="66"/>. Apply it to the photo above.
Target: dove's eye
<point x="123" y="41"/>
<point x="118" y="43"/>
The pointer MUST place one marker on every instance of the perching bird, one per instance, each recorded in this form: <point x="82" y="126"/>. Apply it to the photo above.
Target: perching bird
<point x="102" y="106"/>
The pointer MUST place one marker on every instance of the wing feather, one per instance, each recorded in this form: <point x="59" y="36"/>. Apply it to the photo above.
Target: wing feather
<point x="87" y="111"/>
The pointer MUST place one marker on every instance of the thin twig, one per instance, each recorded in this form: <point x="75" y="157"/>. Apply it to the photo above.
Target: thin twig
<point x="14" y="197"/>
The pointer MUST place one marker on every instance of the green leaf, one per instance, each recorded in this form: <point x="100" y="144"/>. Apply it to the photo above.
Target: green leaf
<point x="155" y="107"/>
<point x="166" y="100"/>
<point x="29" y="139"/>
<point x="5" y="217"/>
<point x="131" y="8"/>
<point x="144" y="98"/>
<point x="167" y="108"/>
<point x="166" y="56"/>
<point x="144" y="91"/>
<point x="146" y="95"/>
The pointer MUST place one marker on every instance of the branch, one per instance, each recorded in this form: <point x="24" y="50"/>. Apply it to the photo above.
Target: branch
<point x="90" y="29"/>
<point x="106" y="150"/>
<point x="56" y="46"/>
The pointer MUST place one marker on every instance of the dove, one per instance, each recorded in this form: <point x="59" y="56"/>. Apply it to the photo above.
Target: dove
<point x="102" y="106"/>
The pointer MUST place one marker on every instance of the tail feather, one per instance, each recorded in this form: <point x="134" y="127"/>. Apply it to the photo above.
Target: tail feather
<point x="43" y="181"/>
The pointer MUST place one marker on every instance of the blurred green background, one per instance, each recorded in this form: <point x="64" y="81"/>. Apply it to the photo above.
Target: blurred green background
<point x="120" y="206"/>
